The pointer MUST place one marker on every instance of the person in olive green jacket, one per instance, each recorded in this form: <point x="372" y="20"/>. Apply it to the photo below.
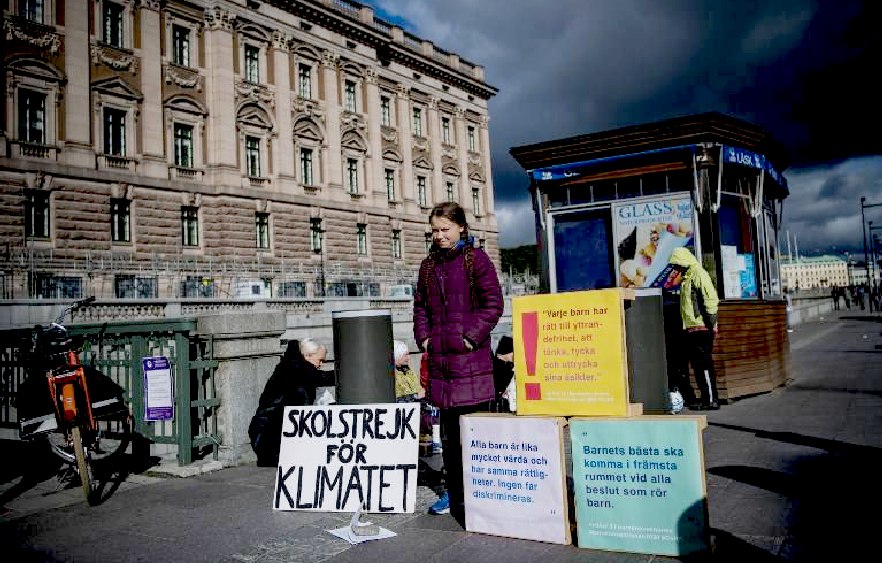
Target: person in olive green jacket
<point x="698" y="309"/>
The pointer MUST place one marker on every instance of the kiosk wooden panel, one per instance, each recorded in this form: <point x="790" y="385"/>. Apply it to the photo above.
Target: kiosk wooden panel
<point x="751" y="353"/>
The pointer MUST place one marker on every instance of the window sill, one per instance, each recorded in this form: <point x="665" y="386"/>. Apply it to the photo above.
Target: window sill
<point x="27" y="149"/>
<point x="115" y="162"/>
<point x="311" y="188"/>
<point x="176" y="172"/>
<point x="258" y="180"/>
<point x="356" y="195"/>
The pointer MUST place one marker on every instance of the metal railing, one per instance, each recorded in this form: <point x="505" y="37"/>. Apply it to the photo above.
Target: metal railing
<point x="117" y="350"/>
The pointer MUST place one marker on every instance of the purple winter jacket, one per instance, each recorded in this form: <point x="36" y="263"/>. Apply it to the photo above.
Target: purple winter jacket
<point x="443" y="313"/>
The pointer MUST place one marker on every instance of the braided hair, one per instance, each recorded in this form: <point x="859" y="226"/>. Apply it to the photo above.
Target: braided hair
<point x="454" y="213"/>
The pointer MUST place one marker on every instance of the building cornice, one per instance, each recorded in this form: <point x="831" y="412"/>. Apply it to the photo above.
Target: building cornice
<point x="387" y="49"/>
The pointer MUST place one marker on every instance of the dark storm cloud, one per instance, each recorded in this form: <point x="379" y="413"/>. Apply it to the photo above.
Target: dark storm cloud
<point x="802" y="69"/>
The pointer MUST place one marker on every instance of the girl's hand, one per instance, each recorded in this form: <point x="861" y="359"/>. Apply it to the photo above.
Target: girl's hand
<point x="467" y="344"/>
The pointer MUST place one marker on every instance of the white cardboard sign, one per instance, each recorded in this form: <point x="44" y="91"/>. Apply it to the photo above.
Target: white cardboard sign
<point x="513" y="477"/>
<point x="338" y="458"/>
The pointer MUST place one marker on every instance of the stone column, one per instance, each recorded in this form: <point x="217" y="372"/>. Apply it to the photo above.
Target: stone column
<point x="78" y="149"/>
<point x="484" y="132"/>
<point x="462" y="159"/>
<point x="376" y="182"/>
<point x="153" y="162"/>
<point x="283" y="147"/>
<point x="334" y="171"/>
<point x="439" y="185"/>
<point x="405" y="143"/>
<point x="247" y="347"/>
<point x="221" y="135"/>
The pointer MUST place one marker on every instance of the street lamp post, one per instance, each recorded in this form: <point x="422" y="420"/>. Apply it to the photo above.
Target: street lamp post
<point x="865" y="205"/>
<point x="864" y="230"/>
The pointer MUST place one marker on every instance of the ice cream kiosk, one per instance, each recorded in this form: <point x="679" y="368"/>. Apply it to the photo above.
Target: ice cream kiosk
<point x="610" y="207"/>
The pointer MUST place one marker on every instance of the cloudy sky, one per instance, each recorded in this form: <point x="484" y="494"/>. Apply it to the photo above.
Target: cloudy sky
<point x="805" y="70"/>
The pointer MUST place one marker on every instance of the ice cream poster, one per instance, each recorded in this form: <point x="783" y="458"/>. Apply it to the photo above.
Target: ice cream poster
<point x="646" y="232"/>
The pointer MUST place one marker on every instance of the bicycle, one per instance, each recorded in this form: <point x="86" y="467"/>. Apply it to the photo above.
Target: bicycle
<point x="80" y="412"/>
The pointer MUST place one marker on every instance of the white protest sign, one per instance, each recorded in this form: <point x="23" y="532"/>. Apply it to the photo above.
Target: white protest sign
<point x="337" y="458"/>
<point x="513" y="477"/>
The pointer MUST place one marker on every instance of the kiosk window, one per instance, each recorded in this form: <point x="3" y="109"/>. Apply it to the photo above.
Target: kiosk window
<point x="738" y="261"/>
<point x="583" y="251"/>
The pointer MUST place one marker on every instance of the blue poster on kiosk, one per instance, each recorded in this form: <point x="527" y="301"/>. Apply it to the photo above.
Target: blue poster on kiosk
<point x="639" y="484"/>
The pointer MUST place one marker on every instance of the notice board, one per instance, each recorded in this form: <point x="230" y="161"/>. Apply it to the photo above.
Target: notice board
<point x="639" y="484"/>
<point x="514" y="476"/>
<point x="570" y="356"/>
<point x="340" y="457"/>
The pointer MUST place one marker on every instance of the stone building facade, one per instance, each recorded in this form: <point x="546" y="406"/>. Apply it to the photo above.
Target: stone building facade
<point x="229" y="148"/>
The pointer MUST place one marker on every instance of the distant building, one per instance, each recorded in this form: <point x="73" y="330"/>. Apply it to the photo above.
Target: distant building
<point x="229" y="148"/>
<point x="813" y="272"/>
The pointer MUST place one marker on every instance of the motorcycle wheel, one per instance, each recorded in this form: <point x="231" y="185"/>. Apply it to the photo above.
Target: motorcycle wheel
<point x="82" y="463"/>
<point x="110" y="440"/>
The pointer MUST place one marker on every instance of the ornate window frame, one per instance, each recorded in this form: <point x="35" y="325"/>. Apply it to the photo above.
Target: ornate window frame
<point x="255" y="120"/>
<point x="41" y="77"/>
<point x="186" y="111"/>
<point x="309" y="135"/>
<point x="127" y="23"/>
<point x="116" y="94"/>
<point x="251" y="35"/>
<point x="172" y="20"/>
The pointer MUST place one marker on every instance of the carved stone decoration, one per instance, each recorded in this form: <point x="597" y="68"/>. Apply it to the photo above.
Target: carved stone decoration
<point x="38" y="180"/>
<point x="246" y="91"/>
<point x="371" y="75"/>
<point x="448" y="163"/>
<point x="402" y="92"/>
<point x="330" y="59"/>
<point x="352" y="121"/>
<point x="391" y="152"/>
<point x="150" y="4"/>
<point x="281" y="41"/>
<point x="448" y="151"/>
<point x="389" y="134"/>
<point x="474" y="157"/>
<point x="216" y="18"/>
<point x="38" y="36"/>
<point x="476" y="172"/>
<point x="182" y="77"/>
<point x="420" y="144"/>
<point x="307" y="108"/>
<point x="117" y="60"/>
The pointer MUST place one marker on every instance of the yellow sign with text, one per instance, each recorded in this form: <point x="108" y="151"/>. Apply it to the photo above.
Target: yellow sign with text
<point x="570" y="356"/>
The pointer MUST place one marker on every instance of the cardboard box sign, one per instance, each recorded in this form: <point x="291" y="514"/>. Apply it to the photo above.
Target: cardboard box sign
<point x="514" y="478"/>
<point x="570" y="357"/>
<point x="639" y="484"/>
<point x="337" y="458"/>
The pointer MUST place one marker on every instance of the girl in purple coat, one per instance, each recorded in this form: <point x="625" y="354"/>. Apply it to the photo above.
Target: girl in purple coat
<point x="458" y="301"/>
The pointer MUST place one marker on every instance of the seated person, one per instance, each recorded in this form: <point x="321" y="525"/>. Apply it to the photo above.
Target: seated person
<point x="407" y="384"/>
<point x="293" y="383"/>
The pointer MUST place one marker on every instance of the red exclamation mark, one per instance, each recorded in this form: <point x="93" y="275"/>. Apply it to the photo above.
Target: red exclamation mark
<point x="530" y="337"/>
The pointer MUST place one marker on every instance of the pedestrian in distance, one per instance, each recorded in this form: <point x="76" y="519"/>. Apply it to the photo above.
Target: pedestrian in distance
<point x="834" y="293"/>
<point x="407" y="383"/>
<point x="698" y="310"/>
<point x="457" y="303"/>
<point x="293" y="383"/>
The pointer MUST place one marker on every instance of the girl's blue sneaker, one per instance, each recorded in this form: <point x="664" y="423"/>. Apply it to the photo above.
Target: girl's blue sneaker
<point x="441" y="506"/>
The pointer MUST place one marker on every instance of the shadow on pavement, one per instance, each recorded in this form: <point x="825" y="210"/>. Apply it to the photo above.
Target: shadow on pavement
<point x="823" y="489"/>
<point x="29" y="465"/>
